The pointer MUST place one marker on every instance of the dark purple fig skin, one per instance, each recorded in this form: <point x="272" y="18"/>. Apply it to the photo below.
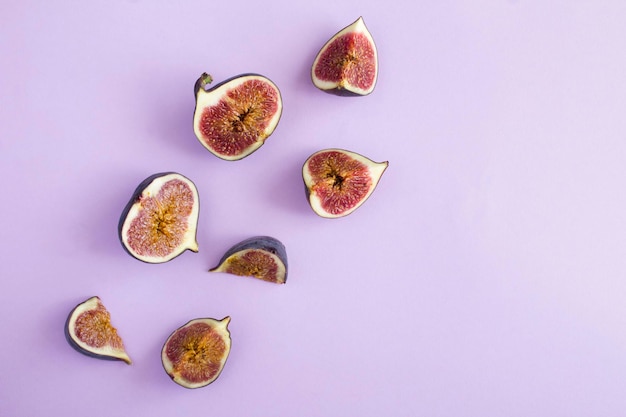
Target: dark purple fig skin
<point x="342" y="92"/>
<point x="266" y="243"/>
<point x="133" y="199"/>
<point x="79" y="349"/>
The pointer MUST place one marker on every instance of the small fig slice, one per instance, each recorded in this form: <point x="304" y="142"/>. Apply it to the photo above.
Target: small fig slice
<point x="234" y="118"/>
<point x="261" y="257"/>
<point x="88" y="329"/>
<point x="195" y="354"/>
<point x="347" y="64"/>
<point x="160" y="220"/>
<point x="337" y="181"/>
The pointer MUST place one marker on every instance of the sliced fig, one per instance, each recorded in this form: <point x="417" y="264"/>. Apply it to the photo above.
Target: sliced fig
<point x="160" y="220"/>
<point x="347" y="64"/>
<point x="234" y="118"/>
<point x="194" y="354"/>
<point x="337" y="181"/>
<point x="261" y="257"/>
<point x="88" y="329"/>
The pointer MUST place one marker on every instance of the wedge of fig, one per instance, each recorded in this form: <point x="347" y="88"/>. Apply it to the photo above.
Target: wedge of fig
<point x="337" y="181"/>
<point x="195" y="353"/>
<point x="160" y="220"/>
<point x="262" y="257"/>
<point x="88" y="329"/>
<point x="234" y="118"/>
<point x="347" y="64"/>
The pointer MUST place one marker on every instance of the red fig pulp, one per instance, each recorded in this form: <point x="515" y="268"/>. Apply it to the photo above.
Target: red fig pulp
<point x="348" y="63"/>
<point x="234" y="118"/>
<point x="338" y="181"/>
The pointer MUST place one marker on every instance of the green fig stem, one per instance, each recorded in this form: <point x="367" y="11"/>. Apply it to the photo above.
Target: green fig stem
<point x="204" y="80"/>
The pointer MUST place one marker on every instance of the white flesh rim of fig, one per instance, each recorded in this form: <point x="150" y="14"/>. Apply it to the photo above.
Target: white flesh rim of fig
<point x="221" y="328"/>
<point x="280" y="271"/>
<point x="188" y="241"/>
<point x="210" y="98"/>
<point x="89" y="305"/>
<point x="357" y="27"/>
<point x="376" y="170"/>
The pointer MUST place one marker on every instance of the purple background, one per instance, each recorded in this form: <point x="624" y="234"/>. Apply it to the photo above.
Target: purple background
<point x="484" y="277"/>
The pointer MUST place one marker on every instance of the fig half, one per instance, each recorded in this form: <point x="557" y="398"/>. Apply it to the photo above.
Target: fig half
<point x="234" y="118"/>
<point x="160" y="220"/>
<point x="194" y="354"/>
<point x="261" y="257"/>
<point x="337" y="181"/>
<point x="347" y="64"/>
<point x="88" y="329"/>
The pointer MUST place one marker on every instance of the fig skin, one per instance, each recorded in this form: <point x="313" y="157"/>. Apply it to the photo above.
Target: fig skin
<point x="262" y="243"/>
<point x="200" y="88"/>
<point x="343" y="87"/>
<point x="121" y="356"/>
<point x="135" y="198"/>
<point x="375" y="172"/>
<point x="219" y="327"/>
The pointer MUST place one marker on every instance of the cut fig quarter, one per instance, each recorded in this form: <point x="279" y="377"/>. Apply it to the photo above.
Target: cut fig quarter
<point x="88" y="329"/>
<point x="161" y="218"/>
<point x="262" y="257"/>
<point x="337" y="181"/>
<point x="347" y="64"/>
<point x="195" y="353"/>
<point x="234" y="118"/>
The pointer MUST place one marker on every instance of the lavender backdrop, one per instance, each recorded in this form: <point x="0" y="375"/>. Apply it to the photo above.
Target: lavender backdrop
<point x="484" y="277"/>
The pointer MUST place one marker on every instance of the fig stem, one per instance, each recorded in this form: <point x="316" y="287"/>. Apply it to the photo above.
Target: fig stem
<point x="204" y="80"/>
